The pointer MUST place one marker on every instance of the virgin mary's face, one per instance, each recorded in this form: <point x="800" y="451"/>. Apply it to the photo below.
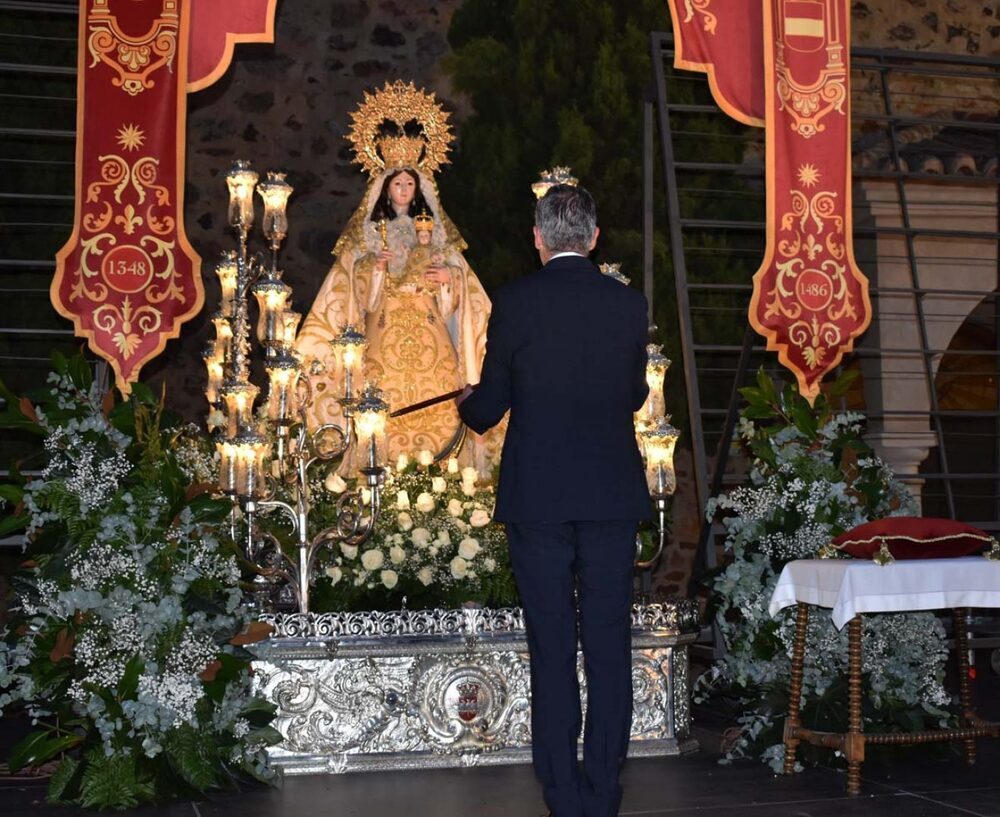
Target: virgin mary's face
<point x="402" y="189"/>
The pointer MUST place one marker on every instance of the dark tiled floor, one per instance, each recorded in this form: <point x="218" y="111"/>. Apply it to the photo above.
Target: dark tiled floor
<point x="693" y="785"/>
<point x="918" y="784"/>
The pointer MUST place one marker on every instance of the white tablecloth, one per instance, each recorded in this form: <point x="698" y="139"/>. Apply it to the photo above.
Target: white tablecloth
<point x="852" y="586"/>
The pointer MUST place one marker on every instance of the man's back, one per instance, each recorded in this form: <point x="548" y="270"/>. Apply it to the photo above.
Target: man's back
<point x="574" y="344"/>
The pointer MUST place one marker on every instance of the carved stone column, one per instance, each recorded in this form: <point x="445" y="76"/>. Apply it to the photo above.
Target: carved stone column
<point x="895" y="379"/>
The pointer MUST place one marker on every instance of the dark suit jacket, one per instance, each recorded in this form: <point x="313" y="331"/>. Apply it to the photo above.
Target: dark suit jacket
<point x="566" y="353"/>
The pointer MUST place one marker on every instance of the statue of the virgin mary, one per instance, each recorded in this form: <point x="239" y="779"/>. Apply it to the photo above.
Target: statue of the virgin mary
<point x="400" y="277"/>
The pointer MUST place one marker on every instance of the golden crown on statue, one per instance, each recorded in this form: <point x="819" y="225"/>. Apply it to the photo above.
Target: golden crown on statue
<point x="399" y="105"/>
<point x="400" y="151"/>
<point x="423" y="221"/>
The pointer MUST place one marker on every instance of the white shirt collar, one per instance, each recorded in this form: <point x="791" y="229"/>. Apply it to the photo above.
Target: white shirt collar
<point x="564" y="254"/>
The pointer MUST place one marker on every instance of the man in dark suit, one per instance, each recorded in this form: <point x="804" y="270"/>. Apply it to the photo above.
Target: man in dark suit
<point x="566" y="354"/>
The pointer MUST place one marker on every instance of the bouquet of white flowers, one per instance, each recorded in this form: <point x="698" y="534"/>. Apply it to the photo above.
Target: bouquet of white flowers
<point x="435" y="544"/>
<point x="126" y="640"/>
<point x="811" y="478"/>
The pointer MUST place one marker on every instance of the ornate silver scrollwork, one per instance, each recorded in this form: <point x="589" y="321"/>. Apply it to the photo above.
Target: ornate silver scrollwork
<point x="425" y="688"/>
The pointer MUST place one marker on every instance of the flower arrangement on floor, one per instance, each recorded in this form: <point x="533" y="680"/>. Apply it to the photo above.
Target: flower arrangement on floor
<point x="126" y="641"/>
<point x="811" y="478"/>
<point x="435" y="544"/>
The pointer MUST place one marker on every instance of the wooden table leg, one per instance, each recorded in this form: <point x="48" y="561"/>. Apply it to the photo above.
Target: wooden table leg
<point x="968" y="712"/>
<point x="854" y="740"/>
<point x="795" y="687"/>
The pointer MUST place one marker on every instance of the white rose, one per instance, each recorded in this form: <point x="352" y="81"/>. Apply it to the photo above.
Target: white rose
<point x="335" y="574"/>
<point x="469" y="476"/>
<point x="439" y="485"/>
<point x="468" y="489"/>
<point x="421" y="537"/>
<point x="479" y="518"/>
<point x="397" y="555"/>
<point x="402" y="501"/>
<point x="462" y="525"/>
<point x="372" y="559"/>
<point x="402" y="462"/>
<point x="425" y="503"/>
<point x="405" y="521"/>
<point x="452" y="465"/>
<point x="366" y="496"/>
<point x="349" y="551"/>
<point x="459" y="567"/>
<point x="490" y="564"/>
<point x="334" y="484"/>
<point x="433" y="550"/>
<point x="455" y="507"/>
<point x="390" y="578"/>
<point x="216" y="419"/>
<point x="443" y="537"/>
<point x="425" y="458"/>
<point x="425" y="576"/>
<point x="468" y="548"/>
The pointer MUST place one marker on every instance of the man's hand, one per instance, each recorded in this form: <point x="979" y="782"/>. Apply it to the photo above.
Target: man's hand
<point x="465" y="393"/>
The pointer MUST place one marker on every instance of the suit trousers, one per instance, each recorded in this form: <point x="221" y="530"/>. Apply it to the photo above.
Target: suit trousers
<point x="551" y="561"/>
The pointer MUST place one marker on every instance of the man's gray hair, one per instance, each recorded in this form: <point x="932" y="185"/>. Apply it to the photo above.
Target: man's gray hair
<point x="566" y="216"/>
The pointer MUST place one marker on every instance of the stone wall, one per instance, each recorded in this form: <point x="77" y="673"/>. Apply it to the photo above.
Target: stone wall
<point x="949" y="26"/>
<point x="286" y="106"/>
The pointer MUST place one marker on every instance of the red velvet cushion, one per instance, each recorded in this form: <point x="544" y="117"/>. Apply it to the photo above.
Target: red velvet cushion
<point x="913" y="537"/>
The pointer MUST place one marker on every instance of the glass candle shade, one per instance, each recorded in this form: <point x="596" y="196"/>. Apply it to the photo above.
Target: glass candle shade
<point x="272" y="296"/>
<point x="223" y="337"/>
<point x="274" y="190"/>
<point x="282" y="371"/>
<point x="349" y="350"/>
<point x="658" y="443"/>
<point x="241" y="180"/>
<point x="227" y="466"/>
<point x="370" y="416"/>
<point x="657" y="365"/>
<point x="227" y="272"/>
<point x="250" y="452"/>
<point x="214" y="366"/>
<point x="290" y="326"/>
<point x="238" y="398"/>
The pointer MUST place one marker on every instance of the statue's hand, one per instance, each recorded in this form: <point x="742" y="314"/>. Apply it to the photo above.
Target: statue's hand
<point x="437" y="274"/>
<point x="382" y="260"/>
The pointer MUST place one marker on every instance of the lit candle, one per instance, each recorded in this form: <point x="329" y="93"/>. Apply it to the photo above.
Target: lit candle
<point x="241" y="181"/>
<point x="370" y="416"/>
<point x="658" y="444"/>
<point x="226" y="271"/>
<point x="272" y="295"/>
<point x="282" y="371"/>
<point x="214" y="365"/>
<point x="657" y="365"/>
<point x="227" y="466"/>
<point x="274" y="190"/>
<point x="223" y="337"/>
<point x="349" y="348"/>
<point x="238" y="397"/>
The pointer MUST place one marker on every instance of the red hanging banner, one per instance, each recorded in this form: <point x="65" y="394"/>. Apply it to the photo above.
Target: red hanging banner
<point x="216" y="28"/>
<point x="785" y="65"/>
<point x="722" y="39"/>
<point x="127" y="277"/>
<point x="810" y="299"/>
